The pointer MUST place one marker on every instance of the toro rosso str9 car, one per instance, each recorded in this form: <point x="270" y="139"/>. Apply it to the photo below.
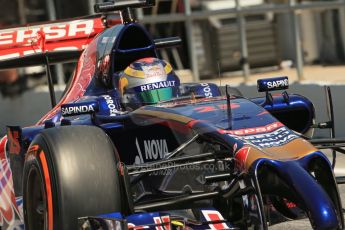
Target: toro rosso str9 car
<point x="130" y="147"/>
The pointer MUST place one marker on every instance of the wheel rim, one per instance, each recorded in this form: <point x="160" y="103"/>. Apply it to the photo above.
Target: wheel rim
<point x="36" y="203"/>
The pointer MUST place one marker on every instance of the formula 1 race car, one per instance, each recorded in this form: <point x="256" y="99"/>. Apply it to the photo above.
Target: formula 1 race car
<point x="156" y="153"/>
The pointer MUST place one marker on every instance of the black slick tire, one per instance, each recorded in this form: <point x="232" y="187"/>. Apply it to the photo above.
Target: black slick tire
<point x="70" y="172"/>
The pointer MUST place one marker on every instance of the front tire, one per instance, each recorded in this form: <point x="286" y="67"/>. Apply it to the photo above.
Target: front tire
<point x="70" y="172"/>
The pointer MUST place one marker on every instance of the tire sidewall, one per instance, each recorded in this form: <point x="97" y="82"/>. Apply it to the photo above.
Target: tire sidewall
<point x="33" y="162"/>
<point x="80" y="198"/>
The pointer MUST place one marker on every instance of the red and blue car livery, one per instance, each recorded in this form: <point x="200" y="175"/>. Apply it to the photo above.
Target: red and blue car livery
<point x="205" y="160"/>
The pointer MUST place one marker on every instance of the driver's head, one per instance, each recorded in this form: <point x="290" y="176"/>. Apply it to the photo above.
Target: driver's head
<point x="148" y="81"/>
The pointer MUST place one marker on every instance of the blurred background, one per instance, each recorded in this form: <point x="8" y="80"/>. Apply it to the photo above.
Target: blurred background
<point x="224" y="41"/>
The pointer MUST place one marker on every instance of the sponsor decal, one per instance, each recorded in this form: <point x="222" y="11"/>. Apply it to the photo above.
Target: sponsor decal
<point x="207" y="90"/>
<point x="271" y="84"/>
<point x="215" y="216"/>
<point x="277" y="84"/>
<point x="255" y="130"/>
<point x="157" y="85"/>
<point x="72" y="35"/>
<point x="278" y="137"/>
<point x="77" y="109"/>
<point x="153" y="150"/>
<point x="164" y="220"/>
<point x="111" y="106"/>
<point x="58" y="31"/>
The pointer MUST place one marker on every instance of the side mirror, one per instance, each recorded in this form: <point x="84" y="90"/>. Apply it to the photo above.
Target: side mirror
<point x="272" y="84"/>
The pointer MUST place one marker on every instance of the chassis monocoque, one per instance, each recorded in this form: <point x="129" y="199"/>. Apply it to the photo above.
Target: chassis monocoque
<point x="203" y="160"/>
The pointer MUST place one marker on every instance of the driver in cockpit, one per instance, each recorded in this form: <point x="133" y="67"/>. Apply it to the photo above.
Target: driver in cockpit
<point x="147" y="81"/>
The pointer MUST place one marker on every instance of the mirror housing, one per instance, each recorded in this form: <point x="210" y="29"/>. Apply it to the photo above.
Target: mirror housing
<point x="272" y="84"/>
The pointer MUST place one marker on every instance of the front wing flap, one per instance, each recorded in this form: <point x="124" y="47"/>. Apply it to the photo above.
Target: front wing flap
<point x="209" y="219"/>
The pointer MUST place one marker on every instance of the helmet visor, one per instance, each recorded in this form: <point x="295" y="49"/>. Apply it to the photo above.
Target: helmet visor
<point x="156" y="95"/>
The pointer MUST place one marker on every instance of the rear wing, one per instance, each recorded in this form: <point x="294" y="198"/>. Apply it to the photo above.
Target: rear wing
<point x="60" y="41"/>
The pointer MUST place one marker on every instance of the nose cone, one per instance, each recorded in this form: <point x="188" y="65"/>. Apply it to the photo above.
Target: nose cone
<point x="326" y="219"/>
<point x="312" y="197"/>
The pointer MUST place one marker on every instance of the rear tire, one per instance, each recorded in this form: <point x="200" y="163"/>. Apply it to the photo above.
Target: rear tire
<point x="70" y="172"/>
